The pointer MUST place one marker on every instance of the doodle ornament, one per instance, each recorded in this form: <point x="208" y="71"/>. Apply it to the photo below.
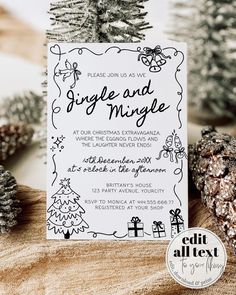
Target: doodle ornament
<point x="173" y="149"/>
<point x="153" y="58"/>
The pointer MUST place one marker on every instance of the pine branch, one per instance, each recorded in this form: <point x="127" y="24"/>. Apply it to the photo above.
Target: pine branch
<point x="95" y="21"/>
<point x="98" y="21"/>
<point x="210" y="31"/>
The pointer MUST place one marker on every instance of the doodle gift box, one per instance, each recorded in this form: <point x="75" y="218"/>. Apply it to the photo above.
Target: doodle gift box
<point x="117" y="124"/>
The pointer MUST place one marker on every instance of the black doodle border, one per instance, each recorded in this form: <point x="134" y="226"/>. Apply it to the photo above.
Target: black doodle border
<point x="54" y="172"/>
<point x="176" y="195"/>
<point x="54" y="169"/>
<point x="179" y="171"/>
<point x="57" y="109"/>
<point x="181" y="90"/>
<point x="95" y="234"/>
<point x="80" y="50"/>
<point x="114" y="234"/>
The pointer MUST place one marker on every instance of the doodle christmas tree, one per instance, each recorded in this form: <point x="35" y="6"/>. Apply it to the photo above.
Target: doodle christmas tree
<point x="66" y="212"/>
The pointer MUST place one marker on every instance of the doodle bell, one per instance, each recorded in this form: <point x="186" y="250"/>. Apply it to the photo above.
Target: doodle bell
<point x="153" y="58"/>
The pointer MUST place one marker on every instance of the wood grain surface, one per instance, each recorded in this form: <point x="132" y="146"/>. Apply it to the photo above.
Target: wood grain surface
<point x="31" y="265"/>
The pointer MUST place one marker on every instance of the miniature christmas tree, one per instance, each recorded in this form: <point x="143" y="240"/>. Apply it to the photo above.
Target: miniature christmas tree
<point x="66" y="212"/>
<point x="97" y="21"/>
<point x="209" y="26"/>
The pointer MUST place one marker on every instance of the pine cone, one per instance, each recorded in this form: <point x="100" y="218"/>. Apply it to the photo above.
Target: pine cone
<point x="26" y="108"/>
<point x="9" y="205"/>
<point x="13" y="138"/>
<point x="212" y="161"/>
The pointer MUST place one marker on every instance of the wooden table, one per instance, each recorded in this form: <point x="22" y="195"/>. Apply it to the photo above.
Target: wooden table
<point x="31" y="265"/>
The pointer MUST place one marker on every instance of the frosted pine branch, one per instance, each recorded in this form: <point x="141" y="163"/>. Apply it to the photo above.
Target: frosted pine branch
<point x="209" y="28"/>
<point x="98" y="21"/>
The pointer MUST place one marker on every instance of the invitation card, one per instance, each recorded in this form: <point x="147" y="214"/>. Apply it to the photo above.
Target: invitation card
<point x="117" y="141"/>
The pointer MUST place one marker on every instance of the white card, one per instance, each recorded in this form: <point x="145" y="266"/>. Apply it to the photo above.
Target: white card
<point x="117" y="141"/>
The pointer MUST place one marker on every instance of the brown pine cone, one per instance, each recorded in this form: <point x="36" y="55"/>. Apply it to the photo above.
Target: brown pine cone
<point x="13" y="138"/>
<point x="9" y="205"/>
<point x="212" y="162"/>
